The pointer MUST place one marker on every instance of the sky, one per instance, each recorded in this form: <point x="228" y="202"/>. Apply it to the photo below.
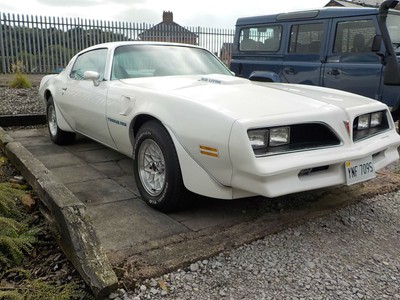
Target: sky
<point x="204" y="13"/>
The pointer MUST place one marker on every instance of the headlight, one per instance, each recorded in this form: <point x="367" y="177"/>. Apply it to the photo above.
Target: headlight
<point x="291" y="138"/>
<point x="369" y="120"/>
<point x="258" y="138"/>
<point x="273" y="137"/>
<point x="370" y="124"/>
<point x="279" y="136"/>
<point x="363" y="122"/>
<point x="376" y="119"/>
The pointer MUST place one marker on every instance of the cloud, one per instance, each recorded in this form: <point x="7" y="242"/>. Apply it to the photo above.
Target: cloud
<point x="85" y="3"/>
<point x="205" y="13"/>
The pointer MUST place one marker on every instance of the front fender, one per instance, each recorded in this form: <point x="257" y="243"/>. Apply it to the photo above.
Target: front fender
<point x="195" y="178"/>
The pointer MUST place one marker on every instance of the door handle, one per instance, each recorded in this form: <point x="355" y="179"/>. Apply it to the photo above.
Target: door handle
<point x="334" y="72"/>
<point x="289" y="70"/>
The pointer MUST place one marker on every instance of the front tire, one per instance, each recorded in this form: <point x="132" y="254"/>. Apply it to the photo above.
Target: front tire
<point x="156" y="168"/>
<point x="57" y="135"/>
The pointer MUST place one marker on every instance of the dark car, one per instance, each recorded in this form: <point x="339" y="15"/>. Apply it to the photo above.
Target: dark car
<point x="351" y="49"/>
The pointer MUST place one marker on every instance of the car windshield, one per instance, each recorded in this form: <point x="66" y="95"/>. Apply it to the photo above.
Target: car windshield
<point x="393" y="24"/>
<point x="134" y="61"/>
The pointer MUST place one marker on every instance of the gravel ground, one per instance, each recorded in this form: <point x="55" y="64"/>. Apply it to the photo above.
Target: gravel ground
<point x="351" y="254"/>
<point x="20" y="101"/>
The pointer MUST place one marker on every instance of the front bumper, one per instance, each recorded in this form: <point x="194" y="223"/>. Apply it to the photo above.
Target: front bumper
<point x="278" y="175"/>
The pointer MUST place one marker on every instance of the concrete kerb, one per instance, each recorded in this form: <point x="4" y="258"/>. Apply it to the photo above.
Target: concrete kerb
<point x="67" y="217"/>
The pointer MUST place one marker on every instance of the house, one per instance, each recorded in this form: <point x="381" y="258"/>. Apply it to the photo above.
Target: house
<point x="225" y="53"/>
<point x="168" y="31"/>
<point x="355" y="3"/>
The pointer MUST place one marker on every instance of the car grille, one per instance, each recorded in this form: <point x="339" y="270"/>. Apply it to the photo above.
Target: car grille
<point x="307" y="136"/>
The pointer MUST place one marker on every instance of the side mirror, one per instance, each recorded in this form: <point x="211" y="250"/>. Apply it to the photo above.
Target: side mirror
<point x="264" y="76"/>
<point x="376" y="43"/>
<point x="92" y="75"/>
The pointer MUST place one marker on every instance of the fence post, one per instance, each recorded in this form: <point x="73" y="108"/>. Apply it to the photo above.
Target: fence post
<point x="2" y="52"/>
<point x="45" y="43"/>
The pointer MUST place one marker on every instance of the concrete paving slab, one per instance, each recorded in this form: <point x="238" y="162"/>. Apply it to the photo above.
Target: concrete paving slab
<point x="100" y="155"/>
<point x="20" y="134"/>
<point x="109" y="168"/>
<point x="128" y="182"/>
<point x="82" y="144"/>
<point x="77" y="173"/>
<point x="202" y="213"/>
<point x="129" y="224"/>
<point x="99" y="191"/>
<point x="126" y="165"/>
<point x="57" y="160"/>
<point x="39" y="150"/>
<point x="34" y="140"/>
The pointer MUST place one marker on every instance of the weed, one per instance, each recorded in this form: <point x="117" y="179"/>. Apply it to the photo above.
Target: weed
<point x="20" y="80"/>
<point x="37" y="289"/>
<point x="16" y="237"/>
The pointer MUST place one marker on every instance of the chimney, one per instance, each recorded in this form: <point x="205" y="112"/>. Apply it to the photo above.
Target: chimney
<point x="168" y="17"/>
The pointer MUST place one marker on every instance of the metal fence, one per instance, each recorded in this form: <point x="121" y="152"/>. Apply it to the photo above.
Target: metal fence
<point x="45" y="44"/>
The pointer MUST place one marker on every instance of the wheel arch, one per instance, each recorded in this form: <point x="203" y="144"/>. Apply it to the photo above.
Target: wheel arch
<point x="62" y="123"/>
<point x="47" y="95"/>
<point x="195" y="178"/>
<point x="137" y="122"/>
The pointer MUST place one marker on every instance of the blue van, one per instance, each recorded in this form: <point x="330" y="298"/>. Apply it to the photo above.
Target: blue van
<point x="351" y="49"/>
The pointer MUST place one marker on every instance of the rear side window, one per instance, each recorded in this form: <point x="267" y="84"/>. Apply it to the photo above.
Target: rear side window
<point x="354" y="36"/>
<point x="306" y="38"/>
<point x="260" y="38"/>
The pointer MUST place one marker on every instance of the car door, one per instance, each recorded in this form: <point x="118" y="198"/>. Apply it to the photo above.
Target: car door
<point x="83" y="102"/>
<point x="351" y="65"/>
<point x="302" y="62"/>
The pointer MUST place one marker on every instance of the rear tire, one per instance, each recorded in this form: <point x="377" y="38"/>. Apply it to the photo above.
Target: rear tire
<point x="156" y="168"/>
<point x="57" y="135"/>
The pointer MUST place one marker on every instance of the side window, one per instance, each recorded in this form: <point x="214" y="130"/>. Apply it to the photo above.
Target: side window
<point x="89" y="61"/>
<point x="260" y="38"/>
<point x="354" y="36"/>
<point x="306" y="38"/>
<point x="134" y="62"/>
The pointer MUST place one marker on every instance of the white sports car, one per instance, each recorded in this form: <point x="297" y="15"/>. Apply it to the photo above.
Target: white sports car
<point x="189" y="124"/>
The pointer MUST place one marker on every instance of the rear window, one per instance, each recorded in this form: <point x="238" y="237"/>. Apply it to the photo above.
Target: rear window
<point x="260" y="38"/>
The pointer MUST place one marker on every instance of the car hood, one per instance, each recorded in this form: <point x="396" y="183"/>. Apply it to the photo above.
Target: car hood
<point x="242" y="98"/>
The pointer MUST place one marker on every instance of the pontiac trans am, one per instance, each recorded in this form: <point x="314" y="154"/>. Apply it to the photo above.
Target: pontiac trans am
<point x="190" y="124"/>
